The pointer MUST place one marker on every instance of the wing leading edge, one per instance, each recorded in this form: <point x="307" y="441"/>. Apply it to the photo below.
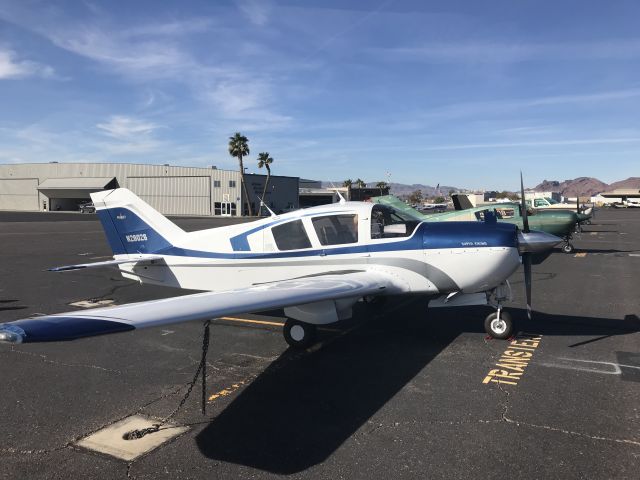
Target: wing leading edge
<point x="199" y="306"/>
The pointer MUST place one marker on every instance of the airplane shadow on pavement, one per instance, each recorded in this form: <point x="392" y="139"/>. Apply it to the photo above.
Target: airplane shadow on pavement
<point x="297" y="412"/>
<point x="305" y="405"/>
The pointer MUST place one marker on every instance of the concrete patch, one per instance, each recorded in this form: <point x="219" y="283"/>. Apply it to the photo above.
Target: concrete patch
<point x="109" y="440"/>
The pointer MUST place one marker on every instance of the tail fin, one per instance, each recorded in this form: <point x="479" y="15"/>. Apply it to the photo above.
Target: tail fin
<point x="461" y="201"/>
<point x="132" y="226"/>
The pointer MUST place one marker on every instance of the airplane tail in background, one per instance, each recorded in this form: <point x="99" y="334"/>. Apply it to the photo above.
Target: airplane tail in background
<point x="132" y="226"/>
<point x="461" y="201"/>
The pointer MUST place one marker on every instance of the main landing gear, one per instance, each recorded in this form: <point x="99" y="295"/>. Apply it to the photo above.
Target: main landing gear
<point x="299" y="335"/>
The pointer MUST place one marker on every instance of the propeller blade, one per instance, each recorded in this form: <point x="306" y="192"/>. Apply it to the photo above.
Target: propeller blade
<point x="525" y="218"/>
<point x="526" y="261"/>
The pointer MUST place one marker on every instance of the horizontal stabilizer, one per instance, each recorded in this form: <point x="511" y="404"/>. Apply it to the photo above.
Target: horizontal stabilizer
<point x="107" y="263"/>
<point x="199" y="306"/>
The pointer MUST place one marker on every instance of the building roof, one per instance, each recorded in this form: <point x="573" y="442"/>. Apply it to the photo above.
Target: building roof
<point x="622" y="192"/>
<point x="76" y="183"/>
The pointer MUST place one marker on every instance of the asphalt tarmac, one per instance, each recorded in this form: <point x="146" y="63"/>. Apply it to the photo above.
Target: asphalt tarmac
<point x="398" y="392"/>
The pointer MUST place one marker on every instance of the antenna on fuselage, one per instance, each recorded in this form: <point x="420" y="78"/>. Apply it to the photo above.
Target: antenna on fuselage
<point x="262" y="204"/>
<point x="342" y="199"/>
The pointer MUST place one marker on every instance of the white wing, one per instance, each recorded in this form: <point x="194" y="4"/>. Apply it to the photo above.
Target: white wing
<point x="99" y="321"/>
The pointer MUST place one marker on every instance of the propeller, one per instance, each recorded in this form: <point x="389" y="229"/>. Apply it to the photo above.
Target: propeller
<point x="577" y="203"/>
<point x="526" y="256"/>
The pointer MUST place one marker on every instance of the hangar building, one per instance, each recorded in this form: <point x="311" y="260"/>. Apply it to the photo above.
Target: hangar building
<point x="171" y="190"/>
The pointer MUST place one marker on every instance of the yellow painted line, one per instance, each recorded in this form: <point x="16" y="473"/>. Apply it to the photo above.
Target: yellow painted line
<point x="246" y="320"/>
<point x="229" y="390"/>
<point x="580" y="255"/>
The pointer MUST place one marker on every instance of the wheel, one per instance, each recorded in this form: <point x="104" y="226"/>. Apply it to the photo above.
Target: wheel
<point x="567" y="248"/>
<point x="500" y="329"/>
<point x="374" y="299"/>
<point x="299" y="334"/>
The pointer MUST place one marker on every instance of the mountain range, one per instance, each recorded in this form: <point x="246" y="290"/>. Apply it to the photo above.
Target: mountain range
<point x="583" y="186"/>
<point x="402" y="189"/>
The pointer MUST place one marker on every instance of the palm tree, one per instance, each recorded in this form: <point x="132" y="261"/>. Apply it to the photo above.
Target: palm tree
<point x="264" y="160"/>
<point x="382" y="186"/>
<point x="239" y="147"/>
<point x="361" y="183"/>
<point x="347" y="183"/>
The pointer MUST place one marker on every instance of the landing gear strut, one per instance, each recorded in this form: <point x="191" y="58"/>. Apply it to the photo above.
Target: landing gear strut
<point x="299" y="335"/>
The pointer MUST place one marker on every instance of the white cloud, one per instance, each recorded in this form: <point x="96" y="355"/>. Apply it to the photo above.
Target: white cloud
<point x="481" y="51"/>
<point x="11" y="67"/>
<point x="500" y="107"/>
<point x="257" y="11"/>
<point x="178" y="27"/>
<point x="125" y="128"/>
<point x="550" y="143"/>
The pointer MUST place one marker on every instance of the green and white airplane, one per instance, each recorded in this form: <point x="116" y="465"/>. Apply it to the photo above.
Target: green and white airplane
<point x="561" y="223"/>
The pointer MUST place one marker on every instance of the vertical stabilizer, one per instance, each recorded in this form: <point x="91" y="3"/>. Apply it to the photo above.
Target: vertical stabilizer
<point x="461" y="201"/>
<point x="132" y="226"/>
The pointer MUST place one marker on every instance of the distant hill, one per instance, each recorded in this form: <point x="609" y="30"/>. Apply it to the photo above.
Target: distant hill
<point x="571" y="188"/>
<point x="581" y="186"/>
<point x="401" y="189"/>
<point x="631" y="182"/>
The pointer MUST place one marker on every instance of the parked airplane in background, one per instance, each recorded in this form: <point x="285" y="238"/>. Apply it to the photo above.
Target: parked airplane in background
<point x="316" y="263"/>
<point x="438" y="207"/>
<point x="551" y="204"/>
<point x="635" y="203"/>
<point x="561" y="223"/>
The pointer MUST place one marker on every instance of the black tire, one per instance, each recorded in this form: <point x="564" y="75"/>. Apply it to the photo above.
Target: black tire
<point x="374" y="299"/>
<point x="500" y="330"/>
<point x="567" y="248"/>
<point x="299" y="335"/>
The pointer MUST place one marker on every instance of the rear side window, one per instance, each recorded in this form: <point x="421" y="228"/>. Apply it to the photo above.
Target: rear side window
<point x="336" y="229"/>
<point x="291" y="236"/>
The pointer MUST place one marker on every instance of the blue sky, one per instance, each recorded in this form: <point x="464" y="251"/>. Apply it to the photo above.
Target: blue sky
<point x="456" y="93"/>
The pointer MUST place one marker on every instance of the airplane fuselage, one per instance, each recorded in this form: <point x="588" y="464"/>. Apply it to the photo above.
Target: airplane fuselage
<point x="432" y="259"/>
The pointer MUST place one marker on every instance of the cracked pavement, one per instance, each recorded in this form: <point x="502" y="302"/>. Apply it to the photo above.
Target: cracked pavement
<point x="396" y="392"/>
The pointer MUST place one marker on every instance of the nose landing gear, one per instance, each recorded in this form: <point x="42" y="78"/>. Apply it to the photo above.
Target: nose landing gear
<point x="568" y="246"/>
<point x="499" y="323"/>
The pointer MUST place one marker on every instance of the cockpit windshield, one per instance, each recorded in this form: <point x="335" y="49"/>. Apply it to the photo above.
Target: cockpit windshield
<point x="551" y="201"/>
<point x="387" y="222"/>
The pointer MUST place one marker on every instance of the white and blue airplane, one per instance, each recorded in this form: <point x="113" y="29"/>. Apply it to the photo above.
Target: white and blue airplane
<point x="315" y="263"/>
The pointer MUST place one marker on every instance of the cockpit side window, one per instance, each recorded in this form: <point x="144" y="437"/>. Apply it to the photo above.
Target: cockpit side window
<point x="540" y="202"/>
<point x="336" y="229"/>
<point x="291" y="236"/>
<point x="387" y="222"/>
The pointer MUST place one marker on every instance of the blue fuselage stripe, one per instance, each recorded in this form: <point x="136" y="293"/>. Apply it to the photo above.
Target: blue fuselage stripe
<point x="426" y="236"/>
